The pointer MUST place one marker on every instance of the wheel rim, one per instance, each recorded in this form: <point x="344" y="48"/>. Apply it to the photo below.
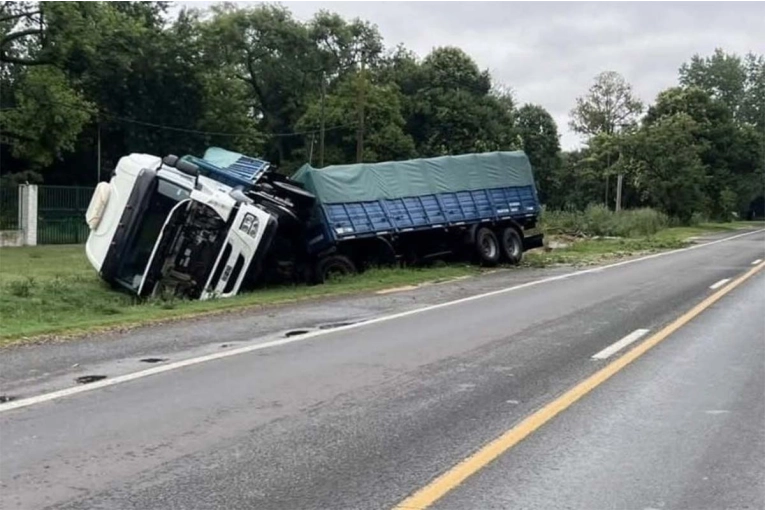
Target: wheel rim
<point x="515" y="247"/>
<point x="334" y="271"/>
<point x="488" y="247"/>
<point x="512" y="245"/>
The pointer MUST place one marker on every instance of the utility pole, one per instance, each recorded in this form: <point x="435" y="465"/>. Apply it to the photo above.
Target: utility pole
<point x="321" y="129"/>
<point x="360" y="129"/>
<point x="608" y="168"/>
<point x="620" y="175"/>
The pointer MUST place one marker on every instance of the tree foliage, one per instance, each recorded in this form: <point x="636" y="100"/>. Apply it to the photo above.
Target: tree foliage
<point x="609" y="106"/>
<point x="738" y="83"/>
<point x="128" y="77"/>
<point x="539" y="140"/>
<point x="670" y="174"/>
<point x="698" y="149"/>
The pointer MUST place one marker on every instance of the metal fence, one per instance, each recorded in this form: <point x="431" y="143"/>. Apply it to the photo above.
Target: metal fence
<point x="61" y="214"/>
<point x="9" y="208"/>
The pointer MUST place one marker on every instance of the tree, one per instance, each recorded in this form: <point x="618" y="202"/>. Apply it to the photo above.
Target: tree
<point x="607" y="109"/>
<point x="738" y="83"/>
<point x="753" y="107"/>
<point x="342" y="44"/>
<point x="608" y="106"/>
<point x="579" y="182"/>
<point x="384" y="137"/>
<point x="48" y="117"/>
<point x="450" y="109"/>
<point x="671" y="175"/>
<point x="730" y="152"/>
<point x="539" y="137"/>
<point x="271" y="53"/>
<point x="21" y="34"/>
<point x="722" y="75"/>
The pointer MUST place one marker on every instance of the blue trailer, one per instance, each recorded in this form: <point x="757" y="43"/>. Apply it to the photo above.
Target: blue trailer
<point x="481" y="205"/>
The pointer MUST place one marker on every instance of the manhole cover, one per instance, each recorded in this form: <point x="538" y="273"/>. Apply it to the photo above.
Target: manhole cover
<point x="85" y="379"/>
<point x="296" y="332"/>
<point x="6" y="398"/>
<point x="153" y="360"/>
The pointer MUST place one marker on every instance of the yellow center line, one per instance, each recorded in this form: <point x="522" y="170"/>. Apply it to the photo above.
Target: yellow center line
<point x="449" y="480"/>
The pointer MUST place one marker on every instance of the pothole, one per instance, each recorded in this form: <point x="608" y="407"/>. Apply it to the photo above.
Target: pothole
<point x="334" y="325"/>
<point x="295" y="332"/>
<point x="153" y="360"/>
<point x="6" y="398"/>
<point x="85" y="379"/>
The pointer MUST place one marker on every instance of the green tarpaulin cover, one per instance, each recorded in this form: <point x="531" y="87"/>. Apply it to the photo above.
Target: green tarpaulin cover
<point x="398" y="179"/>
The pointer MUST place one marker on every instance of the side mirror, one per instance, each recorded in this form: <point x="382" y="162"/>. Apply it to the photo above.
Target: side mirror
<point x="187" y="167"/>
<point x="170" y="160"/>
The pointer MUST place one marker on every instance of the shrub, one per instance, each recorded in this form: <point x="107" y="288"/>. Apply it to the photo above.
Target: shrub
<point x="597" y="220"/>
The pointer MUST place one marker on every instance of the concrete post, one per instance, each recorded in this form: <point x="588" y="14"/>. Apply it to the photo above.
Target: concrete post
<point x="28" y="213"/>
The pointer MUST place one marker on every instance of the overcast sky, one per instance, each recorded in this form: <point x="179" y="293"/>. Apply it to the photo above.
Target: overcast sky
<point x="549" y="52"/>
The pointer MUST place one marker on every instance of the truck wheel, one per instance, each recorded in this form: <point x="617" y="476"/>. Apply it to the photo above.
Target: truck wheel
<point x="512" y="245"/>
<point x="487" y="247"/>
<point x="333" y="266"/>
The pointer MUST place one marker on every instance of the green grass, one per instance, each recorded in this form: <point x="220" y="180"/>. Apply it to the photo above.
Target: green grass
<point x="707" y="228"/>
<point x="53" y="290"/>
<point x="596" y="250"/>
<point x="49" y="290"/>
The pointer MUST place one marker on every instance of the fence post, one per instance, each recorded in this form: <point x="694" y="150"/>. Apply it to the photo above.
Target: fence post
<point x="28" y="213"/>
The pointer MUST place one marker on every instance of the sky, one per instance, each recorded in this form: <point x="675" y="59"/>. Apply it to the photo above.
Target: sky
<point x="548" y="53"/>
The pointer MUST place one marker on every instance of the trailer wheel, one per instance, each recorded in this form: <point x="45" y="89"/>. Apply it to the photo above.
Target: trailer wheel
<point x="512" y="245"/>
<point x="487" y="247"/>
<point x="333" y="266"/>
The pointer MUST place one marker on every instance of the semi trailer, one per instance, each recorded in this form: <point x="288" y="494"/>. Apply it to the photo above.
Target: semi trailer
<point x="208" y="227"/>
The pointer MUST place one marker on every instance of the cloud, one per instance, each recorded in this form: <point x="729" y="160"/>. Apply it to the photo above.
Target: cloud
<point x="549" y="52"/>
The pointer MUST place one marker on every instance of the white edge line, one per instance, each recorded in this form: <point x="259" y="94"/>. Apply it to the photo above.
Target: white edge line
<point x="756" y="262"/>
<point x="719" y="284"/>
<point x="46" y="397"/>
<point x="620" y="344"/>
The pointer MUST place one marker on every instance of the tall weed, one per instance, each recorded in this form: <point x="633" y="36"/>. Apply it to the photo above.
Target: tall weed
<point x="597" y="220"/>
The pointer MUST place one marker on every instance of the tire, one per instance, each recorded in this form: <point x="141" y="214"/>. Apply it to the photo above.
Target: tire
<point x="333" y="266"/>
<point x="487" y="247"/>
<point x="512" y="245"/>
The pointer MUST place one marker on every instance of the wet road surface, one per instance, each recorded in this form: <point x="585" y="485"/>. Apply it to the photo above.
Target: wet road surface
<point x="362" y="417"/>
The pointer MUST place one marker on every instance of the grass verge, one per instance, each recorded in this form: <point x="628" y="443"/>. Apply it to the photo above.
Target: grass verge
<point x="52" y="290"/>
<point x="577" y="251"/>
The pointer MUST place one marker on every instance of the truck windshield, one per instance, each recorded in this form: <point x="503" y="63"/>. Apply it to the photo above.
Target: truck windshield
<point x="137" y="254"/>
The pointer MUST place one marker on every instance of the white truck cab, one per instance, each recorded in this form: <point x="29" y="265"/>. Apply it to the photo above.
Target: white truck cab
<point x="159" y="227"/>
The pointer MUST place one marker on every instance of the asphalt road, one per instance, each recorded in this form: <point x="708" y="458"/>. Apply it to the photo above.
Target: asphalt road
<point x="361" y="418"/>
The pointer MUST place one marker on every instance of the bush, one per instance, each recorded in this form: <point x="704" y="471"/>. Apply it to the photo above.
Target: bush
<point x="597" y="220"/>
<point x="697" y="218"/>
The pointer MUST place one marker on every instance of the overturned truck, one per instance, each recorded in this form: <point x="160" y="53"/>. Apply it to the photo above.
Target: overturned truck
<point x="208" y="227"/>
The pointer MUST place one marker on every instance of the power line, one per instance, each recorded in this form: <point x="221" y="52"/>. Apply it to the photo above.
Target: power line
<point x="218" y="133"/>
<point x="187" y="130"/>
